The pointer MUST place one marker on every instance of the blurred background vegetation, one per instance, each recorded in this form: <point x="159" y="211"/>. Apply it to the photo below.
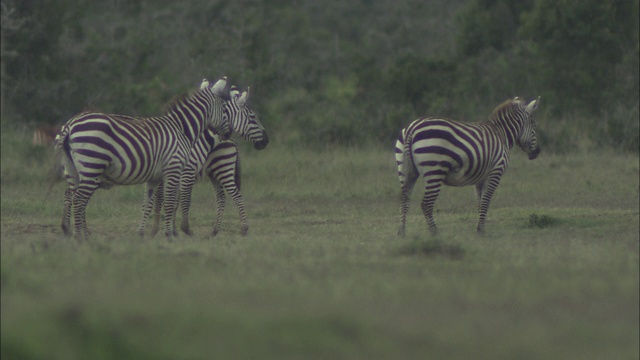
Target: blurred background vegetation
<point x="333" y="72"/>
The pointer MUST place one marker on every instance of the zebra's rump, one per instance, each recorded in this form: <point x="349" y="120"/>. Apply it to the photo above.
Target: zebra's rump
<point x="222" y="162"/>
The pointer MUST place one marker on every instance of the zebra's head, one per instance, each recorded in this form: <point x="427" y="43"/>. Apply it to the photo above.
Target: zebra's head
<point x="243" y="119"/>
<point x="219" y="122"/>
<point x="527" y="140"/>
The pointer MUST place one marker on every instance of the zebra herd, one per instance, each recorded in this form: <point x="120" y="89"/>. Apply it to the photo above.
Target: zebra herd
<point x="192" y="140"/>
<point x="101" y="150"/>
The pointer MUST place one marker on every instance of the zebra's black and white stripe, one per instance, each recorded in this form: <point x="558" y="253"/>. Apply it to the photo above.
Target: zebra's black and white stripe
<point x="219" y="161"/>
<point x="443" y="151"/>
<point x="101" y="150"/>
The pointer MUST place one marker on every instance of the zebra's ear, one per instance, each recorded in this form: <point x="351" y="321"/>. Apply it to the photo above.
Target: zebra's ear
<point x="219" y="86"/>
<point x="205" y="84"/>
<point x="243" y="99"/>
<point x="533" y="105"/>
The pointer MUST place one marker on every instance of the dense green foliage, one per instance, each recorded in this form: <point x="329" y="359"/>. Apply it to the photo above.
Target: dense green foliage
<point x="333" y="71"/>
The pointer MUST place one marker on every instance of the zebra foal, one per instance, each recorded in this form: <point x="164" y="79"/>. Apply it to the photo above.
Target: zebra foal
<point x="444" y="151"/>
<point x="101" y="150"/>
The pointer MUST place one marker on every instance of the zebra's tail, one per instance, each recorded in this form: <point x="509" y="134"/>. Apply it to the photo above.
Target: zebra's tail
<point x="63" y="164"/>
<point x="404" y="158"/>
<point x="237" y="174"/>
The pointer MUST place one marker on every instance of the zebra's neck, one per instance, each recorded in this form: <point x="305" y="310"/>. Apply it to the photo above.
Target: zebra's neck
<point x="507" y="124"/>
<point x="191" y="127"/>
<point x="190" y="116"/>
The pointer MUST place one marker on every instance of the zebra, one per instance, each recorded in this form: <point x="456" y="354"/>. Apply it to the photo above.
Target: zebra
<point x="101" y="150"/>
<point x="220" y="162"/>
<point x="444" y="151"/>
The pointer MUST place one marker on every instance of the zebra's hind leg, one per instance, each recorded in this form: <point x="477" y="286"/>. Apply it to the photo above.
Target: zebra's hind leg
<point x="244" y="224"/>
<point x="431" y="191"/>
<point x="66" y="212"/>
<point x="405" y="199"/>
<point x="407" y="183"/>
<point x="484" y="192"/>
<point x="81" y="198"/>
<point x="235" y="194"/>
<point x="220" y="205"/>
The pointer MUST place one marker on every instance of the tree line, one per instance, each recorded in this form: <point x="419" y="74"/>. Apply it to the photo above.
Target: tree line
<point x="332" y="71"/>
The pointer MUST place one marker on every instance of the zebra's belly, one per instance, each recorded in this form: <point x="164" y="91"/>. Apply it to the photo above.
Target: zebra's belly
<point x="463" y="178"/>
<point x="456" y="179"/>
<point x="116" y="174"/>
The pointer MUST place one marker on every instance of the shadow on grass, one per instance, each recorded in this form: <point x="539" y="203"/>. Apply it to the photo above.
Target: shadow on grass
<point x="432" y="248"/>
<point x="542" y="221"/>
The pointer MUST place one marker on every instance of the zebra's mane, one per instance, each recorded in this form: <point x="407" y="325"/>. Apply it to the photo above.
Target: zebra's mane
<point x="508" y="104"/>
<point x="177" y="101"/>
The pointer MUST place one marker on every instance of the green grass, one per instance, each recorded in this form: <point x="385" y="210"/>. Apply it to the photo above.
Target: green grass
<point x="322" y="273"/>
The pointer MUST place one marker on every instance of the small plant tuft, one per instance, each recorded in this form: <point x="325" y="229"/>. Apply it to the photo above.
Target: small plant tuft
<point x="541" y="221"/>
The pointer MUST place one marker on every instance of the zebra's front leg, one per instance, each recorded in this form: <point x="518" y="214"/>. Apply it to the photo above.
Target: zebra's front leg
<point x="484" y="192"/>
<point x="171" y="184"/>
<point x="431" y="191"/>
<point x="147" y="206"/>
<point x="186" y="188"/>
<point x="157" y="209"/>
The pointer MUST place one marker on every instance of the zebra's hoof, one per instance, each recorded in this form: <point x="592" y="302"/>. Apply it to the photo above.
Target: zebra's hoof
<point x="66" y="231"/>
<point x="169" y="235"/>
<point x="214" y="232"/>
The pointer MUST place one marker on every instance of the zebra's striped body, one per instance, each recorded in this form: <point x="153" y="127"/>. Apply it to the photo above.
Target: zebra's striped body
<point x="100" y="150"/>
<point x="219" y="161"/>
<point x="443" y="151"/>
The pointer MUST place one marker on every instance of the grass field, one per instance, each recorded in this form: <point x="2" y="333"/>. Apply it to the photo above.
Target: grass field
<point x="322" y="273"/>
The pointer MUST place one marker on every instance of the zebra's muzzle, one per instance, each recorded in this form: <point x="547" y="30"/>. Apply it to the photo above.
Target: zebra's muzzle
<point x="534" y="154"/>
<point x="259" y="145"/>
